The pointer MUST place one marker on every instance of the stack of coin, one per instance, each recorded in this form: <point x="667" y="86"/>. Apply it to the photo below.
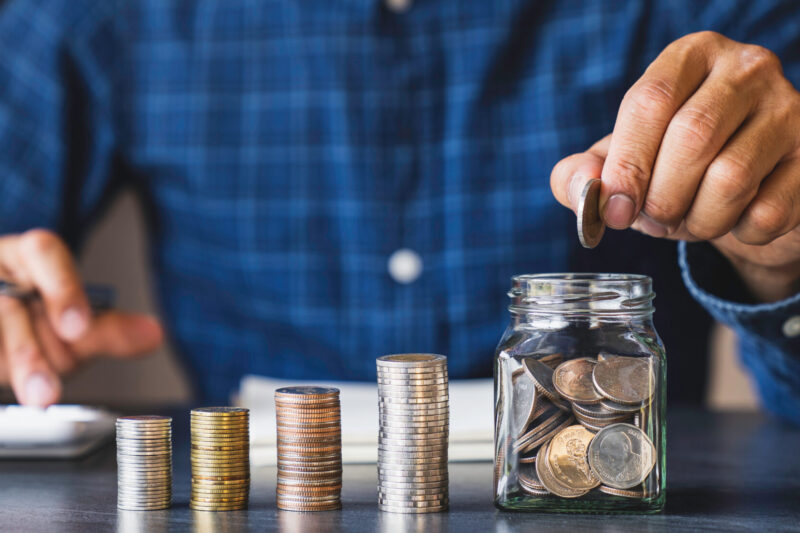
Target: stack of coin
<point x="220" y="457"/>
<point x="309" y="448"/>
<point x="144" y="462"/>
<point x="413" y="437"/>
<point x="608" y="396"/>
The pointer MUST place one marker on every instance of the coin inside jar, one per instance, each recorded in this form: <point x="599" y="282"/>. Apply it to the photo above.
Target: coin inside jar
<point x="523" y="402"/>
<point x="621" y="456"/>
<point x="573" y="380"/>
<point x="567" y="458"/>
<point x="625" y="380"/>
<point x="542" y="376"/>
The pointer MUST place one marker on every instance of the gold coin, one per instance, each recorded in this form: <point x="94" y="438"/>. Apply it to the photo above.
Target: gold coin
<point x="550" y="482"/>
<point x="567" y="458"/>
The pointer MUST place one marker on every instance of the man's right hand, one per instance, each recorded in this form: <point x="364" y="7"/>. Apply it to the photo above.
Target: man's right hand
<point x="45" y="338"/>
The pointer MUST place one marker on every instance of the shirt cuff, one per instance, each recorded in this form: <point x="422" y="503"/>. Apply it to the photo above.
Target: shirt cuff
<point x="713" y="282"/>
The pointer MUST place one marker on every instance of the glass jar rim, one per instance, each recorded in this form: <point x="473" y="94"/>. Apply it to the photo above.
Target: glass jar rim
<point x="571" y="277"/>
<point x="582" y="293"/>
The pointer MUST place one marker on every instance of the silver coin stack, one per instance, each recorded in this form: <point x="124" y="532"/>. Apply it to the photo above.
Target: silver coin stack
<point x="144" y="463"/>
<point x="414" y="417"/>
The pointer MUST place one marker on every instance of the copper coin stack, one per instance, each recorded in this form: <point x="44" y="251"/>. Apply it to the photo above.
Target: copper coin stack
<point x="220" y="457"/>
<point x="414" y="420"/>
<point x="144" y="462"/>
<point x="309" y="448"/>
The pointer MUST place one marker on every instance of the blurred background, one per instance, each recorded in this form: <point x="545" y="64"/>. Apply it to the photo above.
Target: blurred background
<point x="116" y="254"/>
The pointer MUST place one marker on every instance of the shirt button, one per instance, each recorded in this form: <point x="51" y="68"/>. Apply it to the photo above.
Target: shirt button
<point x="791" y="328"/>
<point x="405" y="266"/>
<point x="398" y="6"/>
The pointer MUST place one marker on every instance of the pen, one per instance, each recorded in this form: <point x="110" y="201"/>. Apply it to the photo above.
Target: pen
<point x="101" y="297"/>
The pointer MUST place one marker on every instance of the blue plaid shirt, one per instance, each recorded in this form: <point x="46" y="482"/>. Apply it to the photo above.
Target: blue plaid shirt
<point x="284" y="150"/>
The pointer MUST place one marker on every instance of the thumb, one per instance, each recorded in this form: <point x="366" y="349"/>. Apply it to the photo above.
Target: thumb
<point x="570" y="175"/>
<point x="119" y="335"/>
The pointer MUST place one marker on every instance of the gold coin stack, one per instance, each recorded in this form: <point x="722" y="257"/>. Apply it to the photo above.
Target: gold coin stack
<point x="414" y="420"/>
<point x="144" y="462"/>
<point x="609" y="397"/>
<point x="220" y="459"/>
<point x="309" y="448"/>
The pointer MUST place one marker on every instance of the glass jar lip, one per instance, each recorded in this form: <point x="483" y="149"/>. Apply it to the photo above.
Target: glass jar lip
<point x="571" y="277"/>
<point x="581" y="293"/>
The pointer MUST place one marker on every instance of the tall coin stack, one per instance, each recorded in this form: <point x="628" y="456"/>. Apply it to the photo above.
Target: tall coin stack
<point x="413" y="406"/>
<point x="309" y="448"/>
<point x="144" y="462"/>
<point x="220" y="459"/>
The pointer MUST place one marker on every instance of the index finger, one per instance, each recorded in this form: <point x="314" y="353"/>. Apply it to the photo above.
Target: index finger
<point x="642" y="120"/>
<point x="40" y="258"/>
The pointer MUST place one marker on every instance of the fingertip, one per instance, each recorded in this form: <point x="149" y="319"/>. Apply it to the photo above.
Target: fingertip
<point x="620" y="211"/>
<point x="153" y="330"/>
<point x="41" y="389"/>
<point x="73" y="323"/>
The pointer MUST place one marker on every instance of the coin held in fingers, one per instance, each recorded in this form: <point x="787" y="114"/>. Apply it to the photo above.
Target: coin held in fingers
<point x="590" y="224"/>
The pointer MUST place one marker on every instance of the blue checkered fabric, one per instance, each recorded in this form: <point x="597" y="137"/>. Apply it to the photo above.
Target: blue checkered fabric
<point x="284" y="149"/>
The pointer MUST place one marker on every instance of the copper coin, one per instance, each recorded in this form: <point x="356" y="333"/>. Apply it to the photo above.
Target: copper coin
<point x="590" y="224"/>
<point x="625" y="380"/>
<point x="573" y="380"/>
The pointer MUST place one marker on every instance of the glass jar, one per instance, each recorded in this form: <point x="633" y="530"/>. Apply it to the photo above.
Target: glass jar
<point x="580" y="389"/>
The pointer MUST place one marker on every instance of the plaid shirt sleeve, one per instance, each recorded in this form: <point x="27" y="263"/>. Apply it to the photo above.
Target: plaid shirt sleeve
<point x="769" y="334"/>
<point x="56" y="127"/>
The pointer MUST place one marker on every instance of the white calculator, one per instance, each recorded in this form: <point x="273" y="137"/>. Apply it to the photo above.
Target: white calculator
<point x="57" y="432"/>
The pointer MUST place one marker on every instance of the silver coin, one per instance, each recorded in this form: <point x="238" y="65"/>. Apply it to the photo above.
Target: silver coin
<point x="523" y="402"/>
<point x="435" y="402"/>
<point x="411" y="459"/>
<point x="595" y="410"/>
<point x="416" y="504"/>
<point x="542" y="377"/>
<point x="393" y="509"/>
<point x="391" y="429"/>
<point x="412" y="381"/>
<point x="623" y="408"/>
<point x="414" y="360"/>
<point x="410" y="421"/>
<point x="411" y="473"/>
<point x="424" y="448"/>
<point x="621" y="456"/>
<point x="590" y="224"/>
<point x="543" y="436"/>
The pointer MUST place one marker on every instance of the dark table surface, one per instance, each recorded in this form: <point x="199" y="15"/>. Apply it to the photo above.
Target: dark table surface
<point x="724" y="473"/>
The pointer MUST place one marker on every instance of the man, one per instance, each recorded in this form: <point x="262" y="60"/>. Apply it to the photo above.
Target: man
<point x="286" y="153"/>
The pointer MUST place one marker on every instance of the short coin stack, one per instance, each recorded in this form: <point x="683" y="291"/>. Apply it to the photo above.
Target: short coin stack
<point x="413" y="405"/>
<point x="144" y="462"/>
<point x="220" y="457"/>
<point x="309" y="448"/>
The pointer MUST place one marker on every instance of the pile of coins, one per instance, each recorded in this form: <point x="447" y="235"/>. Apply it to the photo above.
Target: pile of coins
<point x="144" y="462"/>
<point x="309" y="448"/>
<point x="413" y="402"/>
<point x="608" y="449"/>
<point x="220" y="457"/>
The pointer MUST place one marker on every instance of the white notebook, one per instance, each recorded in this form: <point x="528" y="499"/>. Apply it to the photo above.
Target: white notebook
<point x="471" y="418"/>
